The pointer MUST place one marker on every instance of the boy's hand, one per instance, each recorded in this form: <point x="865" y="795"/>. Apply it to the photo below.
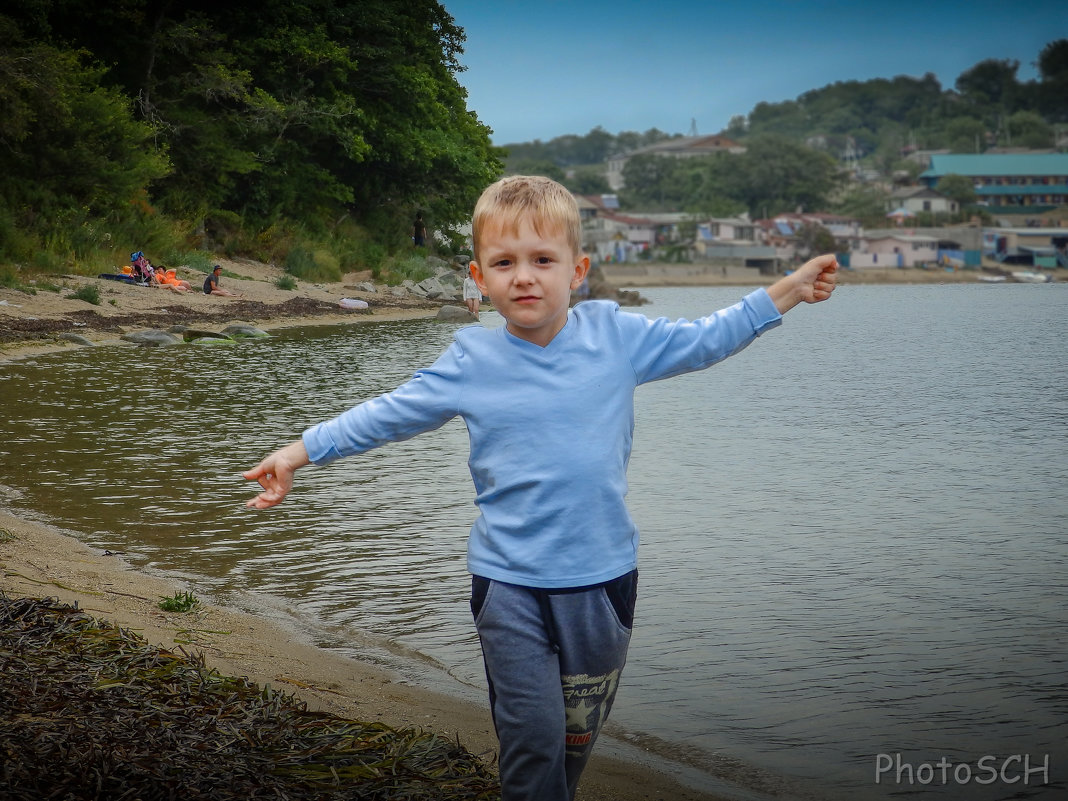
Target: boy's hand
<point x="812" y="282"/>
<point x="275" y="474"/>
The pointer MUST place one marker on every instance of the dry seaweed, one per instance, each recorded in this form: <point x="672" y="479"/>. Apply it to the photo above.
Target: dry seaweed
<point x="92" y="711"/>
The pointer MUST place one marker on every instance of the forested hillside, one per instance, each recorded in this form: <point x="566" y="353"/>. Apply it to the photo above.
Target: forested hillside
<point x="253" y="126"/>
<point x="797" y="148"/>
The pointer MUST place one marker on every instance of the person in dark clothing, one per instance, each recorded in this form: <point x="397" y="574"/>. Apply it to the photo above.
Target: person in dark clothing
<point x="211" y="284"/>
<point x="419" y="231"/>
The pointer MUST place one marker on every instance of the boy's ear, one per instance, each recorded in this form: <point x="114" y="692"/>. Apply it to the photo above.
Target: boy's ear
<point x="476" y="273"/>
<point x="581" y="269"/>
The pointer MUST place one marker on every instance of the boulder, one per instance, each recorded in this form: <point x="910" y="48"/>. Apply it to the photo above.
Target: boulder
<point x="151" y="336"/>
<point x="191" y="334"/>
<point x="601" y="289"/>
<point x="366" y="286"/>
<point x="244" y="331"/>
<point x="430" y="288"/>
<point x="78" y="339"/>
<point x="455" y="314"/>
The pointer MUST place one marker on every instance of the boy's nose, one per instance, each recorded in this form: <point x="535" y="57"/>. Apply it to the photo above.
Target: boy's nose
<point x="524" y="274"/>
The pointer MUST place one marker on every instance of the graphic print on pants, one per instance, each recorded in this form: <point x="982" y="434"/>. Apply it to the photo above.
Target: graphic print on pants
<point x="587" y="701"/>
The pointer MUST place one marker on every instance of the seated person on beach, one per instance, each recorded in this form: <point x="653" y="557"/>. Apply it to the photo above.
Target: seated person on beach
<point x="548" y="402"/>
<point x="211" y="284"/>
<point x="169" y="279"/>
<point x="140" y="267"/>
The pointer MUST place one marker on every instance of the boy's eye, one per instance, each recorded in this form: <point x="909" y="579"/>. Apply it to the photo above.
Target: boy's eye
<point x="502" y="263"/>
<point x="544" y="260"/>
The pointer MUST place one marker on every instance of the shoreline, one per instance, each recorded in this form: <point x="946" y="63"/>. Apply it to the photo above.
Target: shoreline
<point x="40" y="560"/>
<point x="34" y="324"/>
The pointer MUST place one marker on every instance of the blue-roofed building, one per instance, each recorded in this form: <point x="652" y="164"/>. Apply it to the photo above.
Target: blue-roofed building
<point x="1027" y="182"/>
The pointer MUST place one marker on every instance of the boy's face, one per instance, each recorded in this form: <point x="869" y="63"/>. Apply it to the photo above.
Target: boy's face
<point x="529" y="278"/>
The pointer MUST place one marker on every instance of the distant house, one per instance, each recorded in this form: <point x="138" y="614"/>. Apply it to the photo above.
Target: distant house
<point x="735" y="239"/>
<point x="783" y="229"/>
<point x="587" y="209"/>
<point x="921" y="157"/>
<point x="1039" y="247"/>
<point x="1026" y="182"/>
<point x="916" y="199"/>
<point x="678" y="147"/>
<point x="615" y="237"/>
<point x="894" y="249"/>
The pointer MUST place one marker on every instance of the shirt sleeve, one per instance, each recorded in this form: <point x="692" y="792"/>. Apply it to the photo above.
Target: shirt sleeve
<point x="426" y="401"/>
<point x="663" y="348"/>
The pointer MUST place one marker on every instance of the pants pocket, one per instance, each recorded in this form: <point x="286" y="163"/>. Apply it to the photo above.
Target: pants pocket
<point x="622" y="593"/>
<point x="479" y="589"/>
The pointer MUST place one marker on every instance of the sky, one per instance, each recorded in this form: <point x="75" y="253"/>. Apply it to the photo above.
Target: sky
<point x="538" y="69"/>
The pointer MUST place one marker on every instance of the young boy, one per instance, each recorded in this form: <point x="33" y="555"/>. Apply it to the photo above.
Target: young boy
<point x="548" y="403"/>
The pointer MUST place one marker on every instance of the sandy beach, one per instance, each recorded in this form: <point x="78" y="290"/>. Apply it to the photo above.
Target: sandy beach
<point x="35" y="323"/>
<point x="39" y="560"/>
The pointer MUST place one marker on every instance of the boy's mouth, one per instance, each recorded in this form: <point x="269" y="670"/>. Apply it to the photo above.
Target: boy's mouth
<point x="526" y="299"/>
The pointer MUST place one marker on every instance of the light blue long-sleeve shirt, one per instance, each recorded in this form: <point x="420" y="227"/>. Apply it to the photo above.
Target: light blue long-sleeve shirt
<point x="550" y="430"/>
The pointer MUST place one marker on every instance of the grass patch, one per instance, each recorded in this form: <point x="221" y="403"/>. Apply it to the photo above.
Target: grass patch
<point x="179" y="602"/>
<point x="286" y="282"/>
<point x="88" y="293"/>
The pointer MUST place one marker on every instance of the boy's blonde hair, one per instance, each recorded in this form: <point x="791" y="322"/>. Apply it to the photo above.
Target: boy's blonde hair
<point x="547" y="204"/>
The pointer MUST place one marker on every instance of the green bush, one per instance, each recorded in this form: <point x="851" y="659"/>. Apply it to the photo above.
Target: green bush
<point x="192" y="259"/>
<point x="9" y="278"/>
<point x="88" y="293"/>
<point x="409" y="267"/>
<point x="312" y="265"/>
<point x="286" y="282"/>
<point x="48" y="261"/>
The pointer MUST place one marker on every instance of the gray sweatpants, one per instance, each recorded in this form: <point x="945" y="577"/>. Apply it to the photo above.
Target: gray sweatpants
<point x="553" y="660"/>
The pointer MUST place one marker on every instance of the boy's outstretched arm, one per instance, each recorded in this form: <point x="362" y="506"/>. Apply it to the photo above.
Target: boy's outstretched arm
<point x="812" y="282"/>
<point x="275" y="474"/>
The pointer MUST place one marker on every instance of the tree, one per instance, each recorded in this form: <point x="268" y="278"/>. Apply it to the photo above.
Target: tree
<point x="1053" y="89"/>
<point x="778" y="174"/>
<point x="865" y="202"/>
<point x="300" y="109"/>
<point x="649" y="181"/>
<point x="588" y="181"/>
<point x="737" y="126"/>
<point x="67" y="145"/>
<point x="957" y="187"/>
<point x="1028" y="129"/>
<point x="963" y="135"/>
<point x="814" y="239"/>
<point x="990" y="84"/>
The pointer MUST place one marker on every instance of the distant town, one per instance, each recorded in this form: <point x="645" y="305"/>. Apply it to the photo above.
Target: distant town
<point x="1023" y="194"/>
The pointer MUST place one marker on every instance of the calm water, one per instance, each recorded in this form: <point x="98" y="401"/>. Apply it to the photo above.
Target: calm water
<point x="855" y="534"/>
